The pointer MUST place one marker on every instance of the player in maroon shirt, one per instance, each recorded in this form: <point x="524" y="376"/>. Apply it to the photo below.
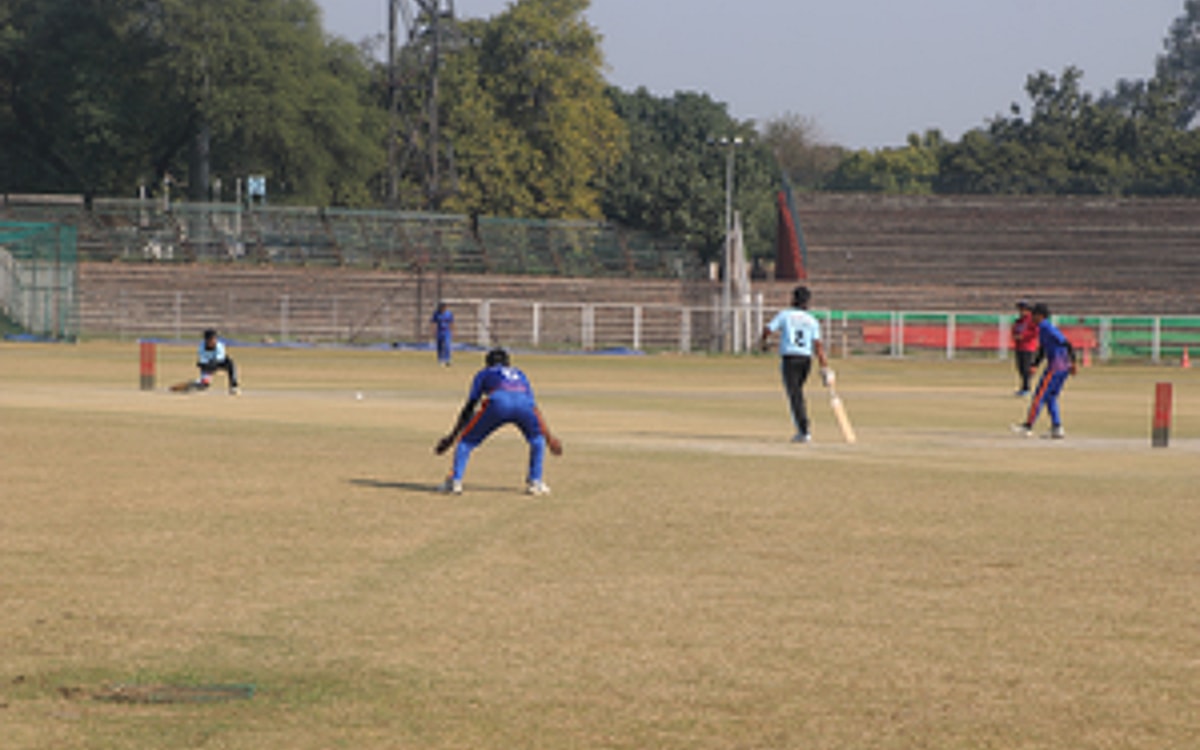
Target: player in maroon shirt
<point x="1025" y="344"/>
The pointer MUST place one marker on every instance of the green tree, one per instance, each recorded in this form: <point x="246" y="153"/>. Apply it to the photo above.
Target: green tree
<point x="800" y="151"/>
<point x="98" y="97"/>
<point x="1072" y="143"/>
<point x="909" y="170"/>
<point x="533" y="133"/>
<point x="672" y="179"/>
<point x="82" y="105"/>
<point x="491" y="154"/>
<point x="1180" y="64"/>
<point x="274" y="97"/>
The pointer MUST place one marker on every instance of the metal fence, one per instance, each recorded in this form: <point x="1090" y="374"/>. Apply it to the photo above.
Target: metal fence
<point x="38" y="275"/>
<point x="230" y="233"/>
<point x="359" y="319"/>
<point x="897" y="334"/>
<point x="557" y="325"/>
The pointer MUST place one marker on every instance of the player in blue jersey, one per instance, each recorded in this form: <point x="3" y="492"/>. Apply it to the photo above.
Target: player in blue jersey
<point x="504" y="396"/>
<point x="443" y="326"/>
<point x="1059" y="357"/>
<point x="210" y="358"/>
<point x="799" y="339"/>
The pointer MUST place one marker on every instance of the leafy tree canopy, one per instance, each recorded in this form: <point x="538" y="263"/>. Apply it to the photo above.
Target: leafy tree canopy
<point x="1073" y="143"/>
<point x="525" y="109"/>
<point x="673" y="177"/>
<point x="99" y="97"/>
<point x="801" y="152"/>
<point x="1179" y="66"/>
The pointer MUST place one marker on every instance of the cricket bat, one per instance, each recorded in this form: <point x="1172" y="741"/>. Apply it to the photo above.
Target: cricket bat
<point x="839" y="411"/>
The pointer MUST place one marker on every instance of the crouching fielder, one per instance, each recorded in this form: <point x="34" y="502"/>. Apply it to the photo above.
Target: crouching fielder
<point x="504" y="396"/>
<point x="210" y="358"/>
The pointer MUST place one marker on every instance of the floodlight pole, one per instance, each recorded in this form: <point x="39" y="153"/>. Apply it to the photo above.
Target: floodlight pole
<point x="393" y="179"/>
<point x="727" y="287"/>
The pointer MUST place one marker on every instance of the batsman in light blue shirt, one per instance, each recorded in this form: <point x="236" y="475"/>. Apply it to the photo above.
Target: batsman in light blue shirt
<point x="799" y="339"/>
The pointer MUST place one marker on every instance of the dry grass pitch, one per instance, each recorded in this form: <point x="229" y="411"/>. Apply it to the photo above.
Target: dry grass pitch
<point x="694" y="580"/>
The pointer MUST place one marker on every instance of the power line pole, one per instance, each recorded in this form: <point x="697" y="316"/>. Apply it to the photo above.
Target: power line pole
<point x="431" y="33"/>
<point x="393" y="188"/>
<point x="730" y="145"/>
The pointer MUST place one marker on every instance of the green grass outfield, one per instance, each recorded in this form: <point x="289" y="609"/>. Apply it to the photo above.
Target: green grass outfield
<point x="694" y="580"/>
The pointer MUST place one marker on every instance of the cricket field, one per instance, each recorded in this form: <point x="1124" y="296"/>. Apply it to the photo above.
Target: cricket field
<point x="694" y="581"/>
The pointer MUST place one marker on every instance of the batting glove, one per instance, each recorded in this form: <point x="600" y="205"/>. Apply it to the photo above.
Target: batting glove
<point x="828" y="377"/>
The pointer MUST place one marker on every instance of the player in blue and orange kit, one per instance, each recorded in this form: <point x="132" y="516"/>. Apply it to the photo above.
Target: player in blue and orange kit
<point x="443" y="325"/>
<point x="1059" y="356"/>
<point x="504" y="396"/>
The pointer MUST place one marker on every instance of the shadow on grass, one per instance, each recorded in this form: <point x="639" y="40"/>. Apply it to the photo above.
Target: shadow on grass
<point x="708" y="436"/>
<point x="407" y="486"/>
<point x="431" y="489"/>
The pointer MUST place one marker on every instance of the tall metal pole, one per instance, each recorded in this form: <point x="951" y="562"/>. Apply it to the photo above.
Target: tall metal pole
<point x="393" y="187"/>
<point x="727" y="288"/>
<point x="434" y="188"/>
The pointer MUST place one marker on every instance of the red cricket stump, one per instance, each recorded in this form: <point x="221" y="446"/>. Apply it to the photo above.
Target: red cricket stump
<point x="149" y="362"/>
<point x="1161" y="435"/>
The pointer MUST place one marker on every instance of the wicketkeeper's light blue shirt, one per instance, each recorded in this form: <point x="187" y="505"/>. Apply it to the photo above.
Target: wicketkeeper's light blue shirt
<point x="213" y="356"/>
<point x="797" y="330"/>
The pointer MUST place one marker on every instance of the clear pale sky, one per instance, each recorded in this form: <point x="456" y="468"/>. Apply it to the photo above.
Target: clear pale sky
<point x="866" y="72"/>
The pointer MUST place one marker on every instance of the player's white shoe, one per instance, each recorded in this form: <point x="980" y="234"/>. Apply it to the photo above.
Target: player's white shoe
<point x="537" y="488"/>
<point x="1023" y="430"/>
<point x="450" y="487"/>
<point x="802" y="437"/>
<point x="235" y="390"/>
<point x="1057" y="432"/>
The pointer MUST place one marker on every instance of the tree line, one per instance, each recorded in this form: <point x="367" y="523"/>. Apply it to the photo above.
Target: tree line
<point x="105" y="97"/>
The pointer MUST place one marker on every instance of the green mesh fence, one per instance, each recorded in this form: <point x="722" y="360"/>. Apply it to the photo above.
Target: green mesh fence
<point x="38" y="275"/>
<point x="141" y="230"/>
<point x="580" y="249"/>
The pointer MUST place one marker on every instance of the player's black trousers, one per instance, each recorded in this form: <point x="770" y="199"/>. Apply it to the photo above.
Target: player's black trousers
<point x="226" y="365"/>
<point x="795" y="369"/>
<point x="1025" y="367"/>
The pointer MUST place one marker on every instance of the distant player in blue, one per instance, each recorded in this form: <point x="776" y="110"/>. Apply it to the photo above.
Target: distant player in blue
<point x="1059" y="356"/>
<point x="799" y="339"/>
<point x="210" y="358"/>
<point x="443" y="325"/>
<point x="504" y="396"/>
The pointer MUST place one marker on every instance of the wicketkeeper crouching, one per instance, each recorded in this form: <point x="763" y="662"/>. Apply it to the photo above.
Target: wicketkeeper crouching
<point x="210" y="359"/>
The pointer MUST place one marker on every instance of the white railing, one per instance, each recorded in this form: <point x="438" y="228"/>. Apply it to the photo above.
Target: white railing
<point x="593" y="326"/>
<point x="597" y="325"/>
